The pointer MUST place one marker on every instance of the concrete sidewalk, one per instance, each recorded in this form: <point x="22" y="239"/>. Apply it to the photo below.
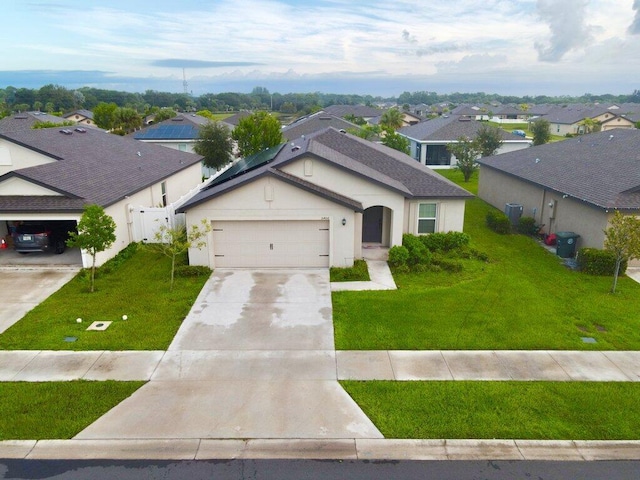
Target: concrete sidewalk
<point x="280" y="365"/>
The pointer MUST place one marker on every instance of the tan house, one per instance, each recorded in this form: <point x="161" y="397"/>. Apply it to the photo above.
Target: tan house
<point x="317" y="202"/>
<point x="575" y="185"/>
<point x="570" y="120"/>
<point x="51" y="174"/>
<point x="81" y="117"/>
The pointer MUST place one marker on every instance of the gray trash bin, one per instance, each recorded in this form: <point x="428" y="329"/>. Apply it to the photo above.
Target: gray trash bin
<point x="566" y="244"/>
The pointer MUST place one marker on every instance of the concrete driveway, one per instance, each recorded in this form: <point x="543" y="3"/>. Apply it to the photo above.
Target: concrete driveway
<point x="254" y="358"/>
<point x="21" y="289"/>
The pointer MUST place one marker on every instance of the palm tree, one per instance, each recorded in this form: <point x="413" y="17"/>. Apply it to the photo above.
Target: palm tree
<point x="590" y="125"/>
<point x="392" y="119"/>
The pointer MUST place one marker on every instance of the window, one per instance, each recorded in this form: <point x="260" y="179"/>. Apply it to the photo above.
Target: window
<point x="163" y="186"/>
<point x="427" y="218"/>
<point x="182" y="147"/>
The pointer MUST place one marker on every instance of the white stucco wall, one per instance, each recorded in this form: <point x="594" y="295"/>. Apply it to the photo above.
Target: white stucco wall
<point x="13" y="157"/>
<point x="449" y="215"/>
<point x="251" y="202"/>
<point x="19" y="186"/>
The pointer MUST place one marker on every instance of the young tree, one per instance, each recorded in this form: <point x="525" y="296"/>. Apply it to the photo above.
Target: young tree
<point x="590" y="125"/>
<point x="622" y="238"/>
<point x="488" y="140"/>
<point x="174" y="242"/>
<point x="541" y="131"/>
<point x="466" y="152"/>
<point x="214" y="144"/>
<point x="96" y="233"/>
<point x="396" y="141"/>
<point x="392" y="119"/>
<point x="104" y="114"/>
<point x="256" y="133"/>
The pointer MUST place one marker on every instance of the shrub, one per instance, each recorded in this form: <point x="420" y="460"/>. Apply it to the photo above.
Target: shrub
<point x="398" y="256"/>
<point x="598" y="262"/>
<point x="445" y="242"/>
<point x="527" y="226"/>
<point x="192" y="271"/>
<point x="498" y="222"/>
<point x="418" y="252"/>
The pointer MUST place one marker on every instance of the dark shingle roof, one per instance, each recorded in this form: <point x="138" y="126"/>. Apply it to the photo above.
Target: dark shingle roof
<point x="357" y="110"/>
<point x="574" y="113"/>
<point x="379" y="164"/>
<point x="449" y="129"/>
<point x="314" y="123"/>
<point x="24" y="121"/>
<point x="94" y="166"/>
<point x="602" y="169"/>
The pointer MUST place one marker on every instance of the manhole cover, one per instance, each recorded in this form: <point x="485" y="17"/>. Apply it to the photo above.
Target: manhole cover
<point x="99" y="326"/>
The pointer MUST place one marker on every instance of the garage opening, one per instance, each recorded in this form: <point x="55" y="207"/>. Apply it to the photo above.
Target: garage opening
<point x="271" y="244"/>
<point x="38" y="242"/>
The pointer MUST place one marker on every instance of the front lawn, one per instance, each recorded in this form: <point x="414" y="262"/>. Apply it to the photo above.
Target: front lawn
<point x="137" y="288"/>
<point x="523" y="298"/>
<point x="505" y="410"/>
<point x="56" y="410"/>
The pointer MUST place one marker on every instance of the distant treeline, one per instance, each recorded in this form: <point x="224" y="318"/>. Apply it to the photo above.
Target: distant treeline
<point x="58" y="99"/>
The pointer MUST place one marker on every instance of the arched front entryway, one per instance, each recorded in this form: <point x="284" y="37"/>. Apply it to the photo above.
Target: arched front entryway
<point x="376" y="224"/>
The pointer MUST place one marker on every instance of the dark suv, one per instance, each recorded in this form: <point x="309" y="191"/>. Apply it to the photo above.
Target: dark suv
<point x="42" y="236"/>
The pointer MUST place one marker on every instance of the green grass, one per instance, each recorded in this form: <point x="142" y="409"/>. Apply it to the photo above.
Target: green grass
<point x="138" y="288"/>
<point x="510" y="127"/>
<point x="358" y="273"/>
<point x="58" y="410"/>
<point x="523" y="298"/>
<point x="506" y="410"/>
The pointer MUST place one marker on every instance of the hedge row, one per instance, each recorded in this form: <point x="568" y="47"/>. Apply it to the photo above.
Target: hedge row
<point x="598" y="262"/>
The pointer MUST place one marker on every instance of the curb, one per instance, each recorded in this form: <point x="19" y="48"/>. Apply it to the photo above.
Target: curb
<point x="318" y="449"/>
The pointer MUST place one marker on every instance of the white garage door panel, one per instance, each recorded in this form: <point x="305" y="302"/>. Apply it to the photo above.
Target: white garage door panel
<point x="278" y="243"/>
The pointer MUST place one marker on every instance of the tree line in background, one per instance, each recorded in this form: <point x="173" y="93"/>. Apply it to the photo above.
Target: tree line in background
<point x="58" y="99"/>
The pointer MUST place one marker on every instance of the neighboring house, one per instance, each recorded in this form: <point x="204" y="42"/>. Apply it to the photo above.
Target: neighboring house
<point x="51" y="174"/>
<point x="26" y="120"/>
<point x="179" y="133"/>
<point x="568" y="120"/>
<point x="575" y="185"/>
<point x="314" y="123"/>
<point x="362" y="111"/>
<point x="233" y="120"/>
<point x="476" y="112"/>
<point x="81" y="117"/>
<point x="510" y="114"/>
<point x="428" y="140"/>
<point x="314" y="202"/>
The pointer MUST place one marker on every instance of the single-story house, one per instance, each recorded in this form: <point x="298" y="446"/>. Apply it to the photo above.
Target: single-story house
<point x="82" y="117"/>
<point x="317" y="202"/>
<point x="25" y="120"/>
<point x="359" y="111"/>
<point x="569" y="120"/>
<point x="50" y="174"/>
<point x="314" y="123"/>
<point x="428" y="140"/>
<point x="178" y="133"/>
<point x="575" y="185"/>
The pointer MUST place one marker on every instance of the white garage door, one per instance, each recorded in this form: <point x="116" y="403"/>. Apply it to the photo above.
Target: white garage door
<point x="277" y="243"/>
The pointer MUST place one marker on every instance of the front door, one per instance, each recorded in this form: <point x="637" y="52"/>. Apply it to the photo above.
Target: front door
<point x="372" y="225"/>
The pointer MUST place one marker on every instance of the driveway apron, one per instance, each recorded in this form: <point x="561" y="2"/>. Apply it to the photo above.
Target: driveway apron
<point x="254" y="358"/>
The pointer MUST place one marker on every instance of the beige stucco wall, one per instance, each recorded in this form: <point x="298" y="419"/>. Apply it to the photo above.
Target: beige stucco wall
<point x="557" y="213"/>
<point x="322" y="173"/>
<point x="19" y="186"/>
<point x="449" y="215"/>
<point x="13" y="157"/>
<point x="251" y="202"/>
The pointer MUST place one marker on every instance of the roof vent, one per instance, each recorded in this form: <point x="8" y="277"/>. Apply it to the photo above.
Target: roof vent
<point x="80" y="130"/>
<point x="537" y="160"/>
<point x="139" y="154"/>
<point x="342" y="130"/>
<point x="464" y="119"/>
<point x="66" y="131"/>
<point x="295" y="148"/>
<point x="610" y="137"/>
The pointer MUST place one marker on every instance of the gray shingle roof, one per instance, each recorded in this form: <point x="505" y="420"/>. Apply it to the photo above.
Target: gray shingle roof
<point x="357" y="110"/>
<point x="94" y="166"/>
<point x="574" y="113"/>
<point x="448" y="129"/>
<point x="602" y="169"/>
<point x="24" y="121"/>
<point x="314" y="123"/>
<point x="379" y="164"/>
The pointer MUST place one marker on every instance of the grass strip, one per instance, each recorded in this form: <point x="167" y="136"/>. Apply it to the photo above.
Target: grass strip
<point x="505" y="410"/>
<point x="138" y="287"/>
<point x="358" y="273"/>
<point x="56" y="410"/>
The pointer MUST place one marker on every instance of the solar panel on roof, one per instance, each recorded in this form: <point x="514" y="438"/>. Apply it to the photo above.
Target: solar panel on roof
<point x="247" y="164"/>
<point x="168" y="132"/>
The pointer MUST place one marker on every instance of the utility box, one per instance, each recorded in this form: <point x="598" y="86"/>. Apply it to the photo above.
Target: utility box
<point x="514" y="212"/>
<point x="566" y="244"/>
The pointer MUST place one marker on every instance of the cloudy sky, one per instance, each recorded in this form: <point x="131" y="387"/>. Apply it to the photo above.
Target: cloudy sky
<point x="519" y="47"/>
